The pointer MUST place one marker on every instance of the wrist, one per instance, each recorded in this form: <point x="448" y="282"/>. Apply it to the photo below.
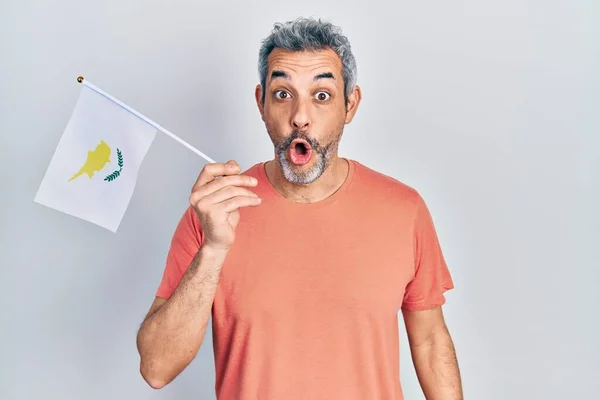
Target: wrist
<point x="213" y="255"/>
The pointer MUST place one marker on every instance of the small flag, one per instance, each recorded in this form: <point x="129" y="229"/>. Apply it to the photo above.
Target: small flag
<point x="93" y="172"/>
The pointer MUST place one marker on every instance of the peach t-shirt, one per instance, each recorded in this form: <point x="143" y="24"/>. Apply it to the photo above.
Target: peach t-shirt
<point x="308" y="300"/>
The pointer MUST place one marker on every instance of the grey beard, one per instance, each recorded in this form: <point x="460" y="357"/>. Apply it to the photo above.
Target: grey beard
<point x="302" y="178"/>
<point x="322" y="154"/>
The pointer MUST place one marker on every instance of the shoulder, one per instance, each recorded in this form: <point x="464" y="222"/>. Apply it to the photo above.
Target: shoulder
<point x="386" y="189"/>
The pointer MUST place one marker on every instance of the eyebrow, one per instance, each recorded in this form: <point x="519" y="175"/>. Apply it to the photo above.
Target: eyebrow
<point x="282" y="74"/>
<point x="324" y="75"/>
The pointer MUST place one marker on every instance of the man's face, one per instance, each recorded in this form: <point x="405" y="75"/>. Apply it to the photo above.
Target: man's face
<point x="304" y="111"/>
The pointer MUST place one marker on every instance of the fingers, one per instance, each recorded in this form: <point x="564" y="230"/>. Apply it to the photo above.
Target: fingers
<point x="220" y="190"/>
<point x="238" y="202"/>
<point x="220" y="186"/>
<point x="222" y="182"/>
<point x="214" y="170"/>
<point x="228" y="192"/>
<point x="205" y="203"/>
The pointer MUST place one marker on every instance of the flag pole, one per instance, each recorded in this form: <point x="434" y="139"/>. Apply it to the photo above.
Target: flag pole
<point x="80" y="79"/>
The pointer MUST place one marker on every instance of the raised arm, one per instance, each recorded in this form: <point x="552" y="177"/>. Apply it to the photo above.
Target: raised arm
<point x="173" y="330"/>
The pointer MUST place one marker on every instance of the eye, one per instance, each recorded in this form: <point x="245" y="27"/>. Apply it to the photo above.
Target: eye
<point x="323" y="96"/>
<point x="282" y="94"/>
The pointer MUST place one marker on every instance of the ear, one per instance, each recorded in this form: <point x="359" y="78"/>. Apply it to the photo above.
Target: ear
<point x="258" y="97"/>
<point x="353" y="102"/>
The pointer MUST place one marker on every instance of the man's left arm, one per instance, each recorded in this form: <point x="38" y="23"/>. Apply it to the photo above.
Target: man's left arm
<point x="431" y="346"/>
<point x="433" y="354"/>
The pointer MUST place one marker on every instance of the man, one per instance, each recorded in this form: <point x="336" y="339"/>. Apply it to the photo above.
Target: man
<point x="303" y="261"/>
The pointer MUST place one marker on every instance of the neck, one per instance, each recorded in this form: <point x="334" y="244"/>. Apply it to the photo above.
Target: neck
<point x="327" y="184"/>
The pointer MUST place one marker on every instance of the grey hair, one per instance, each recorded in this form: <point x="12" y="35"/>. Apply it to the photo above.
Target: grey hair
<point x="309" y="34"/>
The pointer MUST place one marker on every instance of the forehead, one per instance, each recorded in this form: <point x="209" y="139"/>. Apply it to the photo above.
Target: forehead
<point x="299" y="64"/>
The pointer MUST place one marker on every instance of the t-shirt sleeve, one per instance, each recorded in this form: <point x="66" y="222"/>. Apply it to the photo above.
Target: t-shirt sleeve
<point x="185" y="244"/>
<point x="431" y="277"/>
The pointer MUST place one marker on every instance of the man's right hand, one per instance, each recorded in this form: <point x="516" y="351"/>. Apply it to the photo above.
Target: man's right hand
<point x="174" y="329"/>
<point x="216" y="197"/>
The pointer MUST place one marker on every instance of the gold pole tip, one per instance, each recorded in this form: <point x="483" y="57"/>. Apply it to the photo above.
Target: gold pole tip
<point x="80" y="79"/>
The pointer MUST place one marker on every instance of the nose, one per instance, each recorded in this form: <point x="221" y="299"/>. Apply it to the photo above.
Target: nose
<point x="300" y="117"/>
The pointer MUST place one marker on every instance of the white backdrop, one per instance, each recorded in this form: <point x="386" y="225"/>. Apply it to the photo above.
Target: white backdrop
<point x="490" y="109"/>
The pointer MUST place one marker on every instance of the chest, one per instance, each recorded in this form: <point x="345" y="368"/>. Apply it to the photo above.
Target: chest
<point x="306" y="267"/>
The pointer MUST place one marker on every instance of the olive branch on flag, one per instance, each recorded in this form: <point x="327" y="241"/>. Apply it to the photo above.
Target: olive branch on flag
<point x="117" y="172"/>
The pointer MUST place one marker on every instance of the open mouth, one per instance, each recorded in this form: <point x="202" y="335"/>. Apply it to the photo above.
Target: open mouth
<point x="300" y="152"/>
<point x="301" y="148"/>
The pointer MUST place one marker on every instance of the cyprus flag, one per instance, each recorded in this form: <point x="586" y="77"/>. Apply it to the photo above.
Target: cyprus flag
<point x="93" y="172"/>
